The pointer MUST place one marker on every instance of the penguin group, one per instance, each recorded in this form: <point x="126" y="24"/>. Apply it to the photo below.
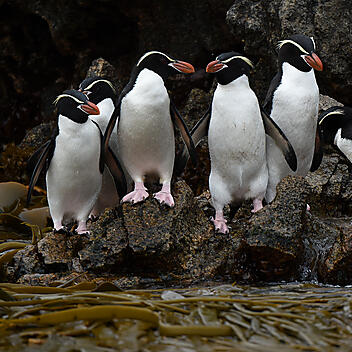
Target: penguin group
<point x="106" y="145"/>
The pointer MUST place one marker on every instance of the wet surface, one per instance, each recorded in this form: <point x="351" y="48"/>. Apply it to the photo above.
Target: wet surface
<point x="70" y="316"/>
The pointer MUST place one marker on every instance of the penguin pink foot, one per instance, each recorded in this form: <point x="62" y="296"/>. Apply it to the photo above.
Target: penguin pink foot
<point x="82" y="227"/>
<point x="58" y="226"/>
<point x="136" y="196"/>
<point x="220" y="223"/>
<point x="257" y="205"/>
<point x="164" y="196"/>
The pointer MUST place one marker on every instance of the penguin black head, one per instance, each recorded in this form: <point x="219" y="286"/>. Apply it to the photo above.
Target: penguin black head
<point x="163" y="64"/>
<point x="97" y="89"/>
<point x="75" y="106"/>
<point x="298" y="51"/>
<point x="334" y="118"/>
<point x="229" y="66"/>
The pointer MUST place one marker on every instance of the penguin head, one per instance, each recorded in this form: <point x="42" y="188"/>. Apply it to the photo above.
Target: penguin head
<point x="298" y="51"/>
<point x="331" y="120"/>
<point x="97" y="89"/>
<point x="75" y="106"/>
<point x="163" y="64"/>
<point x="229" y="66"/>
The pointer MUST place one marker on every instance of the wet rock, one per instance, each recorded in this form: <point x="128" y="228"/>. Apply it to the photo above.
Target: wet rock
<point x="337" y="267"/>
<point x="106" y="245"/>
<point x="273" y="236"/>
<point x="25" y="261"/>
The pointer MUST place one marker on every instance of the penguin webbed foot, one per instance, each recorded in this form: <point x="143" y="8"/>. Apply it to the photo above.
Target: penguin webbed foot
<point x="136" y="196"/>
<point x="61" y="230"/>
<point x="257" y="205"/>
<point x="165" y="197"/>
<point x="82" y="228"/>
<point x="220" y="225"/>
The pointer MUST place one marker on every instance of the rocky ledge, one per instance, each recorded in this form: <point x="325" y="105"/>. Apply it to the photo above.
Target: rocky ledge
<point x="150" y="244"/>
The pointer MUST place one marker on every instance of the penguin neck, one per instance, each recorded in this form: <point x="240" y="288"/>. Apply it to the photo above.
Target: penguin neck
<point x="296" y="76"/>
<point x="66" y="125"/>
<point x="106" y="108"/>
<point x="149" y="83"/>
<point x="239" y="83"/>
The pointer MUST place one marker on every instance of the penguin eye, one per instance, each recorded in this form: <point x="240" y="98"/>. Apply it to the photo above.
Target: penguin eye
<point x="86" y="93"/>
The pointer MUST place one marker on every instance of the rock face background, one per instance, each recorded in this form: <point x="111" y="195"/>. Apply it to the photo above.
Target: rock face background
<point x="47" y="46"/>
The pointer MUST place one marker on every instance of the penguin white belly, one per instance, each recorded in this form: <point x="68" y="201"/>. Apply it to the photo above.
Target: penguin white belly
<point x="236" y="145"/>
<point x="295" y="110"/>
<point x="108" y="196"/>
<point x="145" y="138"/>
<point x="344" y="144"/>
<point x="73" y="178"/>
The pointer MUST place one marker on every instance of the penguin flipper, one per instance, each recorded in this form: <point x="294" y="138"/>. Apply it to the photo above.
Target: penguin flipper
<point x="116" y="171"/>
<point x="109" y="128"/>
<point x="274" y="131"/>
<point x="318" y="151"/>
<point x="44" y="157"/>
<point x="33" y="159"/>
<point x="198" y="132"/>
<point x="186" y="136"/>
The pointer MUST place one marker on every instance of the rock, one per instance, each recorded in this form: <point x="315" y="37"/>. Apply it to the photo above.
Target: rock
<point x="249" y="20"/>
<point x="106" y="246"/>
<point x="273" y="236"/>
<point x="104" y="69"/>
<point x="325" y="102"/>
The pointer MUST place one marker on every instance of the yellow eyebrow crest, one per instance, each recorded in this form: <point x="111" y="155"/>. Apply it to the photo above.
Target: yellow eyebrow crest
<point x="336" y="112"/>
<point x="153" y="52"/>
<point x="286" y="41"/>
<point x="68" y="96"/>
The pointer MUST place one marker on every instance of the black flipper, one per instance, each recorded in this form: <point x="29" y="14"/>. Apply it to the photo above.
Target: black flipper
<point x="33" y="159"/>
<point x="109" y="158"/>
<point x="116" y="171"/>
<point x="274" y="131"/>
<point x="47" y="151"/>
<point x="187" y="139"/>
<point x="198" y="132"/>
<point x="113" y="118"/>
<point x="318" y="151"/>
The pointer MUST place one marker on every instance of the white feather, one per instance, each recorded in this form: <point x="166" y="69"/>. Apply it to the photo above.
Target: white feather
<point x="344" y="144"/>
<point x="145" y="136"/>
<point x="73" y="178"/>
<point x="295" y="110"/>
<point x="236" y="145"/>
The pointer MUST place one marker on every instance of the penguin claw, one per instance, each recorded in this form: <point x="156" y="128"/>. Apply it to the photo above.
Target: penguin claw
<point x="220" y="226"/>
<point x="165" y="198"/>
<point x="135" y="196"/>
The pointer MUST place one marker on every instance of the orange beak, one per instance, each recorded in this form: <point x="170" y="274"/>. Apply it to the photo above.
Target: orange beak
<point x="182" y="66"/>
<point x="90" y="108"/>
<point x="314" y="62"/>
<point x="214" y="66"/>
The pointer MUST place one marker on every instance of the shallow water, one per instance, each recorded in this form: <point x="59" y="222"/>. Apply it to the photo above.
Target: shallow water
<point x="282" y="317"/>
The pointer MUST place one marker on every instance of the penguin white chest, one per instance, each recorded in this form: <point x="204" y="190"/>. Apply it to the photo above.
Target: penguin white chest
<point x="73" y="177"/>
<point x="145" y="134"/>
<point x="237" y="142"/>
<point x="295" y="110"/>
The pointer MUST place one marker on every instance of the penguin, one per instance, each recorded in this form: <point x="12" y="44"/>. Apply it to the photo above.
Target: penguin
<point x="74" y="162"/>
<point x="292" y="102"/>
<point x="335" y="128"/>
<point x="102" y="93"/>
<point x="145" y="132"/>
<point x="236" y="127"/>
